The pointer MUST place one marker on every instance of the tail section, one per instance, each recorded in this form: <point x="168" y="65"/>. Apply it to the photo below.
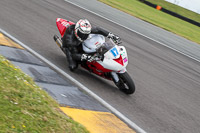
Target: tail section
<point x="62" y="25"/>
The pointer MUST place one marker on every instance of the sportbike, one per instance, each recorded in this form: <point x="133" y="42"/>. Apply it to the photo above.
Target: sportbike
<point x="109" y="60"/>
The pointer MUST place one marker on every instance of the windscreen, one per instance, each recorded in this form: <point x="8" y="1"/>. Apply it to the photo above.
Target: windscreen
<point x="106" y="47"/>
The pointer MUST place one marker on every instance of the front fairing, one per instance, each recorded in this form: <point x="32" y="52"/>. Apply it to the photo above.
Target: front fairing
<point x="115" y="57"/>
<point x="113" y="53"/>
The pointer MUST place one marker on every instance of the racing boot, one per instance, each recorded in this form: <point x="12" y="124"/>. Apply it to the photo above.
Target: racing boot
<point x="72" y="63"/>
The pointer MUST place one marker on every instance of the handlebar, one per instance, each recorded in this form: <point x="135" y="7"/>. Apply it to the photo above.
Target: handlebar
<point x="117" y="42"/>
<point x="96" y="57"/>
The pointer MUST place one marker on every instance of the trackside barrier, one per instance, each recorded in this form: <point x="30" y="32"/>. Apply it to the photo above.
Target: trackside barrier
<point x="170" y="12"/>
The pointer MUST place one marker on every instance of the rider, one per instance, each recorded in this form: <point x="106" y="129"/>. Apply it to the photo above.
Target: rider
<point x="75" y="35"/>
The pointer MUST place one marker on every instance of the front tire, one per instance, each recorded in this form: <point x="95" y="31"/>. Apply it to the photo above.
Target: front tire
<point x="125" y="83"/>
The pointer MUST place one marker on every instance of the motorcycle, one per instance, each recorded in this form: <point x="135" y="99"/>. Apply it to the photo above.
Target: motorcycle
<point x="109" y="60"/>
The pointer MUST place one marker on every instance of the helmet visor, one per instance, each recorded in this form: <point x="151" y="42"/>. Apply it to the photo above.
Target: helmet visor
<point x="82" y="35"/>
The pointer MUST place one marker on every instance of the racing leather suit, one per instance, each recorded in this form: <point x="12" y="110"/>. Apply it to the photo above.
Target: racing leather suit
<point x="71" y="44"/>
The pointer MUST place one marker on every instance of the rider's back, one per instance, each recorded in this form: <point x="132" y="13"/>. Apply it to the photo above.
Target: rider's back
<point x="69" y="38"/>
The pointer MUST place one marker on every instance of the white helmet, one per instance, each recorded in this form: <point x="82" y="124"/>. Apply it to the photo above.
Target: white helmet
<point x="82" y="29"/>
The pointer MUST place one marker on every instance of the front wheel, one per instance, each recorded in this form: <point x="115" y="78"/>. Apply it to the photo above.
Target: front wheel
<point x="125" y="83"/>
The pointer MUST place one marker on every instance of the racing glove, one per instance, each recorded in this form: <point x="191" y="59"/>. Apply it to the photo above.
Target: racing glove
<point x="114" y="37"/>
<point x="87" y="57"/>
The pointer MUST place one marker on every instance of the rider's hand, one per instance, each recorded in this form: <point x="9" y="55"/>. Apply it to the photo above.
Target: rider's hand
<point x="114" y="37"/>
<point x="86" y="57"/>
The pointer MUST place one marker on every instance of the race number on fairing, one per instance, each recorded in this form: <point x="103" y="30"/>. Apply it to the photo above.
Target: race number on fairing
<point x="114" y="52"/>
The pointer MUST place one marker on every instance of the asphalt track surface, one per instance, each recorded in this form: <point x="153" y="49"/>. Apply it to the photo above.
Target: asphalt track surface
<point x="167" y="83"/>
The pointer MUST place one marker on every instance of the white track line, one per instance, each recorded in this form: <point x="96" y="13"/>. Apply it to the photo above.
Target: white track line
<point x="104" y="103"/>
<point x="135" y="31"/>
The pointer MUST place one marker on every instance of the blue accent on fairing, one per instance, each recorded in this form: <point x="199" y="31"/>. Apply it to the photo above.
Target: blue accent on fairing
<point x="114" y="51"/>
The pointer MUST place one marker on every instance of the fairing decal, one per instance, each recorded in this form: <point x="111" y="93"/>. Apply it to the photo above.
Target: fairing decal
<point x="62" y="25"/>
<point x="119" y="60"/>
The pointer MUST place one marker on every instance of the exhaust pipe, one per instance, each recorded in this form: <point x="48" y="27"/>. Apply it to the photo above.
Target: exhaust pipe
<point x="58" y="41"/>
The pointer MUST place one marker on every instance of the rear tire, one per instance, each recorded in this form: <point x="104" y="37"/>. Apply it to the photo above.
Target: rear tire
<point x="126" y="84"/>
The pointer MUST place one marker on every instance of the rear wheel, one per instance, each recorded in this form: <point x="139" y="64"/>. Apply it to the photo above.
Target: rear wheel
<point x="125" y="83"/>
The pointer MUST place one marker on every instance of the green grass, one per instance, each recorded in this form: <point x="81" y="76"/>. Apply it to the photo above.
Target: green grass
<point x="158" y="18"/>
<point x="27" y="108"/>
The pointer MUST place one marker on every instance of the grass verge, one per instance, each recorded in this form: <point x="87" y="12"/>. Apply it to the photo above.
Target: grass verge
<point x="158" y="18"/>
<point x="27" y="108"/>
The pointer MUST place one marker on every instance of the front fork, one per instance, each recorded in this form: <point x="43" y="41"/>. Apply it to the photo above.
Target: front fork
<point x="115" y="76"/>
